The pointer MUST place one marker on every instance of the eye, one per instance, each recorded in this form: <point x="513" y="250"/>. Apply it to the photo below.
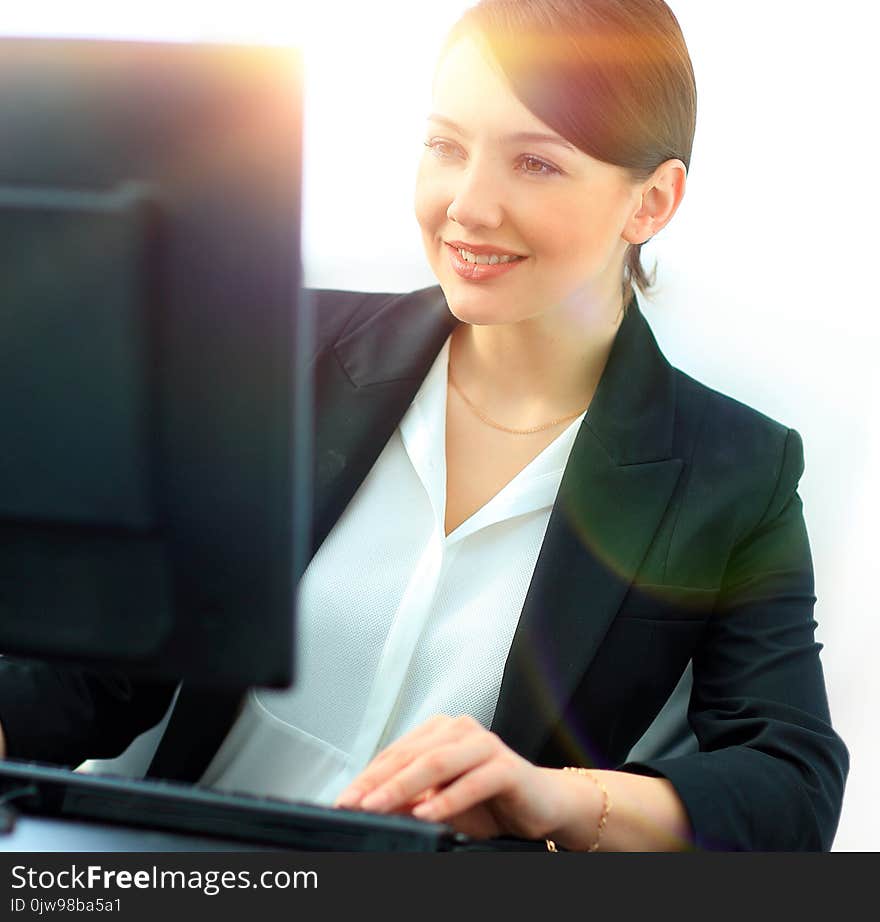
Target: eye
<point x="443" y="149"/>
<point x="534" y="166"/>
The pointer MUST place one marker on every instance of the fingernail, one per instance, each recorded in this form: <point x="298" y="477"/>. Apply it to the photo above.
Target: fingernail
<point x="425" y="810"/>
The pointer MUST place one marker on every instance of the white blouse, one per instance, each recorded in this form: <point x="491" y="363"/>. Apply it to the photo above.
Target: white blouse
<point x="396" y="622"/>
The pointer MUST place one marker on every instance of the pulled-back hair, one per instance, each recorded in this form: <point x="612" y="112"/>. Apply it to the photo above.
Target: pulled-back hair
<point x="613" y="77"/>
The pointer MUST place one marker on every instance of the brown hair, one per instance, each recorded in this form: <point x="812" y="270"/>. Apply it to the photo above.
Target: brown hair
<point x="614" y="77"/>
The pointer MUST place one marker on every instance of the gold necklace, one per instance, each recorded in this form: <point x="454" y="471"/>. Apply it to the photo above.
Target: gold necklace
<point x="494" y="425"/>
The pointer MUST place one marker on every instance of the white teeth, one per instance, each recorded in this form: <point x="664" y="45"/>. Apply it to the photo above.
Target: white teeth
<point x="492" y="260"/>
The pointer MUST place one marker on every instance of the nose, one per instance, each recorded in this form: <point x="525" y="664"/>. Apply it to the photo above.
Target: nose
<point x="476" y="201"/>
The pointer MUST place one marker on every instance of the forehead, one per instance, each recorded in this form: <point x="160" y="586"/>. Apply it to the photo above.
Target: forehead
<point x="470" y="89"/>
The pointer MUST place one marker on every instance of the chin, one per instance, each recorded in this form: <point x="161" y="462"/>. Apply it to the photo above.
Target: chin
<point x="480" y="307"/>
<point x="474" y="311"/>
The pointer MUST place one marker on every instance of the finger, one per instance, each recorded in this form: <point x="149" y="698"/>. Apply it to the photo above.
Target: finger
<point x="407" y="808"/>
<point x="351" y="795"/>
<point x="490" y="779"/>
<point x="434" y="725"/>
<point x="437" y="767"/>
<point x="389" y="760"/>
<point x="401" y="752"/>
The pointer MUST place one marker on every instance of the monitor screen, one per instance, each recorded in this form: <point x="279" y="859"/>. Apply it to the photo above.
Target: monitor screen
<point x="154" y="414"/>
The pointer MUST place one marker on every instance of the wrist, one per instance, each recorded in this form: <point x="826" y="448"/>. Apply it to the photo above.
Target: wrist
<point x="587" y="806"/>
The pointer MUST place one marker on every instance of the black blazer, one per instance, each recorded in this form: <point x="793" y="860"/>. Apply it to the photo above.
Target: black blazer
<point x="677" y="536"/>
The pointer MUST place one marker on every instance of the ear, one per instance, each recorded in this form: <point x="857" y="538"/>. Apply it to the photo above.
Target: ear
<point x="656" y="201"/>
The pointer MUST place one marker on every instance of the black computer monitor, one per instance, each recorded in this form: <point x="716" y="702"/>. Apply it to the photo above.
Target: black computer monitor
<point x="154" y="411"/>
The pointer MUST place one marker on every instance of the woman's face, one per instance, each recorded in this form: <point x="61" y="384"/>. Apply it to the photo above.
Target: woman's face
<point x="495" y="181"/>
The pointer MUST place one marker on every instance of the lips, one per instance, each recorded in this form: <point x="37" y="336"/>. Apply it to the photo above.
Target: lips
<point x="480" y="272"/>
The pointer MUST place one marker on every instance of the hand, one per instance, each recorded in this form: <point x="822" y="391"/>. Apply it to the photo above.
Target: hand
<point x="455" y="771"/>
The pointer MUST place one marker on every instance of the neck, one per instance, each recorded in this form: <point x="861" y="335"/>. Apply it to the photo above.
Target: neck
<point x="537" y="369"/>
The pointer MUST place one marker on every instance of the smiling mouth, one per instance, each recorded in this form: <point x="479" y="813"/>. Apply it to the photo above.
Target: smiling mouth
<point x="481" y="267"/>
<point x="484" y="259"/>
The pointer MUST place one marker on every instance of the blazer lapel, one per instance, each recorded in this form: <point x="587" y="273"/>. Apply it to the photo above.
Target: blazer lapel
<point x="615" y="490"/>
<point x="364" y="385"/>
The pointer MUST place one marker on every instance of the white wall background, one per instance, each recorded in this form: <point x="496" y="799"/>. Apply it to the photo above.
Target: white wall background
<point x="767" y="279"/>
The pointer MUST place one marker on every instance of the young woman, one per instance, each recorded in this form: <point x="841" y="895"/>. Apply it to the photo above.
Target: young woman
<point x="527" y="523"/>
<point x="558" y="144"/>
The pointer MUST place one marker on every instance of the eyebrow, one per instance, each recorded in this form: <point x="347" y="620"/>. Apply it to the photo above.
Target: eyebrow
<point x="521" y="137"/>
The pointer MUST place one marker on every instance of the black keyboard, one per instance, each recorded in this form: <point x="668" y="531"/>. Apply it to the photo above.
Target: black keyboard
<point x="37" y="789"/>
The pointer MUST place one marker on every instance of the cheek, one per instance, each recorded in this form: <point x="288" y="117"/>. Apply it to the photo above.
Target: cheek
<point x="560" y="235"/>
<point x="558" y="238"/>
<point x="575" y="234"/>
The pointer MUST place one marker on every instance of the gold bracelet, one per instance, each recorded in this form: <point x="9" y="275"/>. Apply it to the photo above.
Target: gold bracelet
<point x="603" y="817"/>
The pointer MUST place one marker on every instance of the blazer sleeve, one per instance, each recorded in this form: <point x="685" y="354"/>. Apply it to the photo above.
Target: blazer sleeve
<point x="770" y="772"/>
